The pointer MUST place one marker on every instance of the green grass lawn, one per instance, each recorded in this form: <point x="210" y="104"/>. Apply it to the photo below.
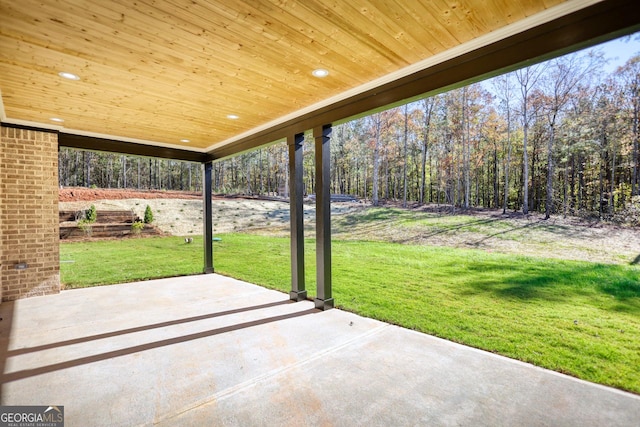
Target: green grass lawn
<point x="579" y="318"/>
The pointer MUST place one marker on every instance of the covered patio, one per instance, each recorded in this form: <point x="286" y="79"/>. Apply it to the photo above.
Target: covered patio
<point x="205" y="80"/>
<point x="210" y="350"/>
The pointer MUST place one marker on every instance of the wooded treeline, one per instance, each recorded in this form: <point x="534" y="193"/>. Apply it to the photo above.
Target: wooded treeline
<point x="557" y="137"/>
<point x="80" y="168"/>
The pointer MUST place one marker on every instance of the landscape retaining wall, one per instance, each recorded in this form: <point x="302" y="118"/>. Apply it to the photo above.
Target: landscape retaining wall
<point x="29" y="245"/>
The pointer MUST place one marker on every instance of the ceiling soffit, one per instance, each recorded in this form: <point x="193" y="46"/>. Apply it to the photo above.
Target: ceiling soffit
<point x="158" y="73"/>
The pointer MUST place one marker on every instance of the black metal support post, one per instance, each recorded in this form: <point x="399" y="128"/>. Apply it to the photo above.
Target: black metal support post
<point x="321" y="135"/>
<point x="298" y="291"/>
<point x="207" y="216"/>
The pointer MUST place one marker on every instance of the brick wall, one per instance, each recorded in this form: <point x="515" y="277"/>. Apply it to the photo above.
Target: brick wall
<point x="28" y="213"/>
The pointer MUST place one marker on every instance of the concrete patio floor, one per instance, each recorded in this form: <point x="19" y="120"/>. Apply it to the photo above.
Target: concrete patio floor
<point x="209" y="350"/>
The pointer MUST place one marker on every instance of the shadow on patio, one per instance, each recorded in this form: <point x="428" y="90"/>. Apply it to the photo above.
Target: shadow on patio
<point x="210" y="350"/>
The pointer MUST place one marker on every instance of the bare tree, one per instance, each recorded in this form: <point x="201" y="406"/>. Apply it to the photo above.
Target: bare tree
<point x="375" y="121"/>
<point x="504" y="87"/>
<point x="404" y="166"/>
<point x="630" y="74"/>
<point x="428" y="105"/>
<point x="564" y="75"/>
<point x="527" y="78"/>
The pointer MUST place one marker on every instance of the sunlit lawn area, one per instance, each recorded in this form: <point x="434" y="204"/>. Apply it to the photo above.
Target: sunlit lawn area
<point x="579" y="318"/>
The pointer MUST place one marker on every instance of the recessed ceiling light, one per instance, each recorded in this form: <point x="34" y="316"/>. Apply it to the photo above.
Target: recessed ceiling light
<point x="68" y="76"/>
<point x="233" y="117"/>
<point x="185" y="140"/>
<point x="56" y="119"/>
<point x="320" y="72"/>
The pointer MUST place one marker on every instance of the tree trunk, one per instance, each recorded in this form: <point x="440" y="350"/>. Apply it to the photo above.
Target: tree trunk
<point x="506" y="166"/>
<point x="466" y="154"/>
<point x="404" y="168"/>
<point x="572" y="186"/>
<point x="603" y="158"/>
<point x="613" y="180"/>
<point x="548" y="209"/>
<point x="581" y="195"/>
<point x="525" y="164"/>
<point x="496" y="179"/>
<point x="88" y="163"/>
<point x="376" y="159"/>
<point x="124" y="171"/>
<point x="150" y="174"/>
<point x="565" y="195"/>
<point x="428" y="110"/>
<point x="635" y="181"/>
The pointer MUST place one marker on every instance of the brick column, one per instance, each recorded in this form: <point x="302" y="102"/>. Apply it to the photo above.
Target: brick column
<point x="29" y="225"/>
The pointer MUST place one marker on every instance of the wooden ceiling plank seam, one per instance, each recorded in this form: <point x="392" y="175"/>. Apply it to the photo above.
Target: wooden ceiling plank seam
<point x="524" y="10"/>
<point x="293" y="21"/>
<point x="344" y="21"/>
<point x="53" y="83"/>
<point x="436" y="25"/>
<point x="68" y="92"/>
<point x="69" y="24"/>
<point x="113" y="57"/>
<point x="152" y="81"/>
<point x="382" y="32"/>
<point x="531" y="7"/>
<point x="133" y="112"/>
<point x="257" y="68"/>
<point x="463" y="20"/>
<point x="134" y="115"/>
<point x="496" y="8"/>
<point x="126" y="121"/>
<point x="400" y="25"/>
<point x="276" y="52"/>
<point x="421" y="27"/>
<point x="340" y="44"/>
<point x="54" y="54"/>
<point x="156" y="84"/>
<point x="122" y="124"/>
<point x="439" y="10"/>
<point x="551" y="3"/>
<point x="221" y="46"/>
<point x="130" y="118"/>
<point x="349" y="41"/>
<point x="148" y="25"/>
<point x="478" y="19"/>
<point x="428" y="20"/>
<point x="159" y="48"/>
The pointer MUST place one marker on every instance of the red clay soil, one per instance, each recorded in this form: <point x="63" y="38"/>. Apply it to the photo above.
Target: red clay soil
<point x="80" y="194"/>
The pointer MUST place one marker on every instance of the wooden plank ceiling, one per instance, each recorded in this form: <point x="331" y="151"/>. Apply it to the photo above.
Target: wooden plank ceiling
<point x="208" y="71"/>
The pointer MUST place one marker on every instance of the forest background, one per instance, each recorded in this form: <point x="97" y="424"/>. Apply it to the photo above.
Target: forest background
<point x="556" y="137"/>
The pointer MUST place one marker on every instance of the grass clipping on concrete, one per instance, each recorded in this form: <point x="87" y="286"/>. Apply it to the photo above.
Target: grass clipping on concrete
<point x="579" y="318"/>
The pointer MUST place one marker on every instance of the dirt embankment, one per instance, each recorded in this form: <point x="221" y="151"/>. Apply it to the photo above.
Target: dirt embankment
<point x="77" y="194"/>
<point x="181" y="214"/>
